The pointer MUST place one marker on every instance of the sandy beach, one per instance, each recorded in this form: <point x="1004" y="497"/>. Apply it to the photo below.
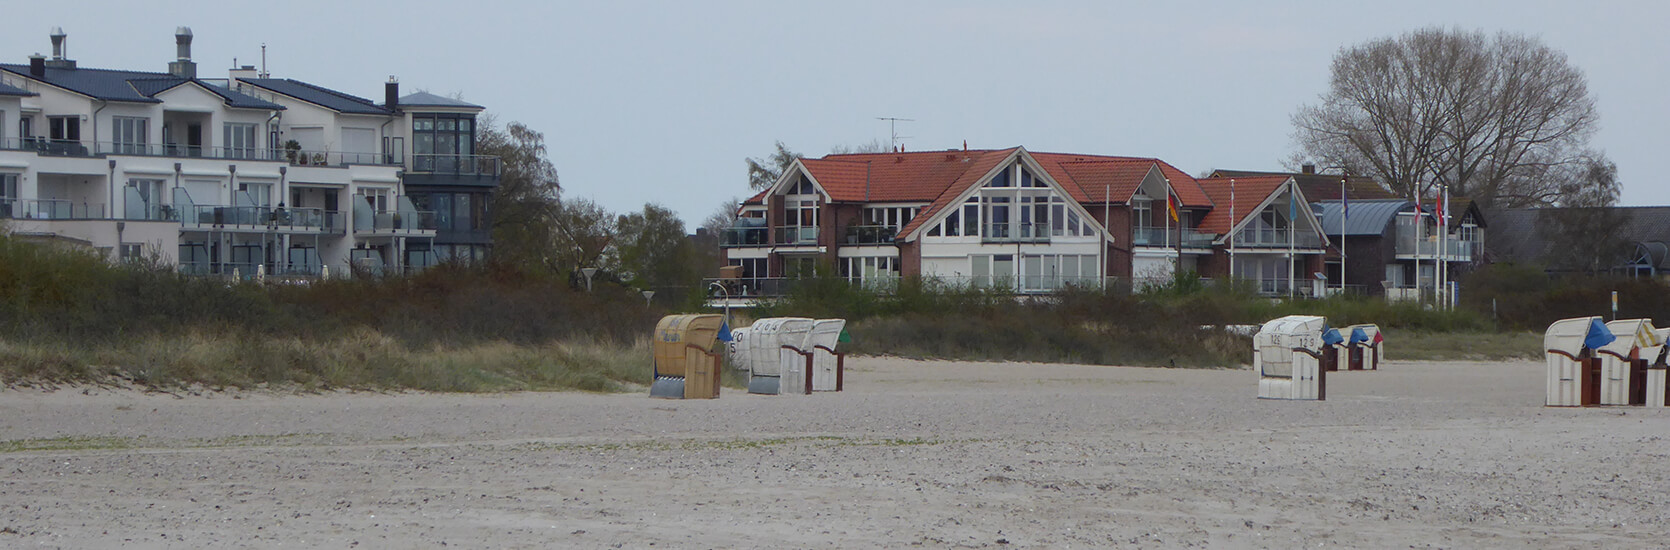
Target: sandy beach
<point x="913" y="454"/>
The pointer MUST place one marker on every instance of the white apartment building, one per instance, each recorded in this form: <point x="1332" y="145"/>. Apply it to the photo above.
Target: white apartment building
<point x="242" y="174"/>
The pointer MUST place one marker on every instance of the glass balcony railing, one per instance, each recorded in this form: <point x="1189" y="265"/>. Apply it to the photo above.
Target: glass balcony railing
<point x="294" y="157"/>
<point x="49" y="209"/>
<point x="744" y="236"/>
<point x="263" y="217"/>
<point x="463" y="165"/>
<point x="399" y="221"/>
<point x="793" y="236"/>
<point x="870" y="234"/>
<point x="1168" y="237"/>
<point x="1276" y="238"/>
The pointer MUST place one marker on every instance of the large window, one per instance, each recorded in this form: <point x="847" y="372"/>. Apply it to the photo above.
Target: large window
<point x="131" y="134"/>
<point x="455" y="211"/>
<point x="239" y="140"/>
<point x="438" y="141"/>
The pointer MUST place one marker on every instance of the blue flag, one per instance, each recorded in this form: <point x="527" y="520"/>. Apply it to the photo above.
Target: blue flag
<point x="725" y="331"/>
<point x="1598" y="335"/>
<point x="1357" y="335"/>
<point x="1331" y="337"/>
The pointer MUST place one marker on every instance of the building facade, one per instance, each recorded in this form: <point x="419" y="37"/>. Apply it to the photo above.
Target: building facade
<point x="1010" y="218"/>
<point x="243" y="174"/>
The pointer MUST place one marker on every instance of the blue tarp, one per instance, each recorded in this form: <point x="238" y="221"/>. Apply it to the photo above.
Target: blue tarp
<point x="1598" y="335"/>
<point x="1331" y="337"/>
<point x="1357" y="335"/>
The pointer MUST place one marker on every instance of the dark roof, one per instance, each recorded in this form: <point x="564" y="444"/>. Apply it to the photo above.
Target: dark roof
<point x="9" y="90"/>
<point x="131" y="86"/>
<point x="323" y="97"/>
<point x="426" y="99"/>
<point x="1320" y="187"/>
<point x="1367" y="217"/>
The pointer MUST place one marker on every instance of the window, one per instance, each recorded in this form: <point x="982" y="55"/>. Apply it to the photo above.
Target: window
<point x="25" y="127"/>
<point x="130" y="135"/>
<point x="8" y="196"/>
<point x="64" y="128"/>
<point x="132" y="252"/>
<point x="239" y="140"/>
<point x="253" y="194"/>
<point x="953" y="224"/>
<point x="971" y="218"/>
<point x="439" y="140"/>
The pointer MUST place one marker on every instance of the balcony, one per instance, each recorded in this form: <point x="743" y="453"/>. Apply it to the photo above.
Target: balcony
<point x="46" y="147"/>
<point x="294" y="157"/>
<point x="734" y="237"/>
<point x="1167" y="237"/>
<point x="49" y="209"/>
<point x="870" y="234"/>
<point x="797" y="236"/>
<point x="457" y="165"/>
<point x="397" y="222"/>
<point x="1015" y="233"/>
<point x="1455" y="250"/>
<point x="1277" y="238"/>
<point x="263" y="218"/>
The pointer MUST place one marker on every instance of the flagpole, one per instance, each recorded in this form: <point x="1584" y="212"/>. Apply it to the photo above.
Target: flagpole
<point x="1107" y="201"/>
<point x="1231" y="230"/>
<point x="1345" y="212"/>
<point x="1292" y="215"/>
<point x="1167" y="215"/>
<point x="1444" y="247"/>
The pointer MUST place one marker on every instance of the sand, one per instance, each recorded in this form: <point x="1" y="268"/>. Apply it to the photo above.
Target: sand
<point x="913" y="454"/>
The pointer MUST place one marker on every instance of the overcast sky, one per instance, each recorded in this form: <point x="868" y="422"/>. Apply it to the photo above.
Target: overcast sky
<point x="661" y="101"/>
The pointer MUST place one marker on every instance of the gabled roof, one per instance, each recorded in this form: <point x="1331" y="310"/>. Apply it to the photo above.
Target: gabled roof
<point x="132" y="86"/>
<point x="1114" y="176"/>
<point x="1368" y="217"/>
<point x="317" y="95"/>
<point x="426" y="99"/>
<point x="11" y="90"/>
<point x="899" y="177"/>
<point x="1249" y="192"/>
<point x="1459" y="208"/>
<point x="1320" y="187"/>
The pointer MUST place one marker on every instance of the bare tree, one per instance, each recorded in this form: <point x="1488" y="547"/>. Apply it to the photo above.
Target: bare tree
<point x="581" y="234"/>
<point x="874" y="146"/>
<point x="762" y="173"/>
<point x="1501" y="119"/>
<point x="723" y="217"/>
<point x="527" y="198"/>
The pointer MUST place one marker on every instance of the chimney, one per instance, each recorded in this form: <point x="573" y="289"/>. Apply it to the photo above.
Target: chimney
<point x="1308" y="168"/>
<point x="182" y="66"/>
<point x="37" y="66"/>
<point x="391" y="94"/>
<point x="242" y="71"/>
<point x="58" y="37"/>
<point x="58" y="60"/>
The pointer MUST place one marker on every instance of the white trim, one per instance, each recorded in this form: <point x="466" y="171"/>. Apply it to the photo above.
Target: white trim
<point x="1293" y="186"/>
<point x="1038" y="172"/>
<point x="787" y="176"/>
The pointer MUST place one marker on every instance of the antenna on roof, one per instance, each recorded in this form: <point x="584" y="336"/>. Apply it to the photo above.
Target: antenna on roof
<point x="893" y="129"/>
<point x="264" y="73"/>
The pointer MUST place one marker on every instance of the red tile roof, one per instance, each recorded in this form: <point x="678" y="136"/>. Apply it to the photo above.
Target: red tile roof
<point x="1078" y="171"/>
<point x="1249" y="193"/>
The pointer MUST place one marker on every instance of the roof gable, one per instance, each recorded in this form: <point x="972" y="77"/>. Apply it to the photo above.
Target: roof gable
<point x="1098" y="182"/>
<point x="1242" y="195"/>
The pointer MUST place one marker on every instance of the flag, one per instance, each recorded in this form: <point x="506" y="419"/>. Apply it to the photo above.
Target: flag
<point x="1171" y="205"/>
<point x="1598" y="335"/>
<point x="725" y="331"/>
<point x="1378" y="338"/>
<point x="1344" y="206"/>
<point x="1292" y="206"/>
